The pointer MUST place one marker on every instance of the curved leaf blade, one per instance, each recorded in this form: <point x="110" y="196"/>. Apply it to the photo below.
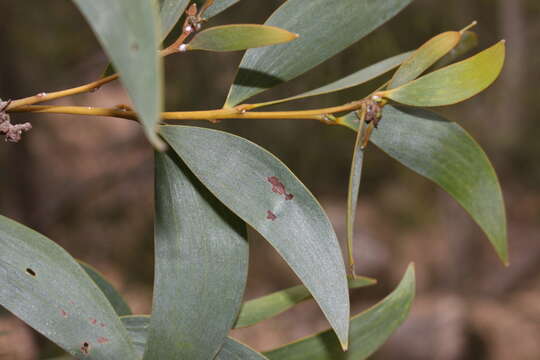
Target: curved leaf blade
<point x="46" y="288"/>
<point x="128" y="31"/>
<point x="425" y="56"/>
<point x="453" y="83"/>
<point x="201" y="266"/>
<point x="170" y="12"/>
<point x="266" y="307"/>
<point x="357" y="78"/>
<point x="239" y="37"/>
<point x="117" y="301"/>
<point x="325" y="28"/>
<point x="369" y="330"/>
<point x="445" y="153"/>
<point x="468" y="41"/>
<point x="218" y="7"/>
<point x="137" y="327"/>
<point x="262" y="191"/>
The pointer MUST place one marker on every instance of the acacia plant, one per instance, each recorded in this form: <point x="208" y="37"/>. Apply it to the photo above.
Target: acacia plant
<point x="209" y="184"/>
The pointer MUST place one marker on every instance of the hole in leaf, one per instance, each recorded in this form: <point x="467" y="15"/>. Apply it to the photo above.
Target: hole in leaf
<point x="30" y="272"/>
<point x="85" y="348"/>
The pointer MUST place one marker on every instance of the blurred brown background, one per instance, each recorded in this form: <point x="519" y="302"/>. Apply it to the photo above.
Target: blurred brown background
<point x="87" y="183"/>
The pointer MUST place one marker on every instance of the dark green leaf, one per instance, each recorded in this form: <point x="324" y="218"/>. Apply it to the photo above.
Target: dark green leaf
<point x="325" y="28"/>
<point x="369" y="330"/>
<point x="137" y="327"/>
<point x="128" y="31"/>
<point x="445" y="153"/>
<point x="46" y="288"/>
<point x="239" y="37"/>
<point x="454" y="83"/>
<point x="427" y="55"/>
<point x="266" y="307"/>
<point x="201" y="266"/>
<point x="262" y="191"/>
<point x="107" y="289"/>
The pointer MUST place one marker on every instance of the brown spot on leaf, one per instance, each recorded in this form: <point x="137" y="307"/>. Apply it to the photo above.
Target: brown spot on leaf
<point x="102" y="340"/>
<point x="102" y="324"/>
<point x="85" y="348"/>
<point x="63" y="313"/>
<point x="30" y="272"/>
<point x="278" y="187"/>
<point x="271" y="216"/>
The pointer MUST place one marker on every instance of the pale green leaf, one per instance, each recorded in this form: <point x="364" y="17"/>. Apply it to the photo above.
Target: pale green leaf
<point x="137" y="327"/>
<point x="369" y="329"/>
<point x="128" y="30"/>
<point x="454" y="83"/>
<point x="325" y="28"/>
<point x="262" y="191"/>
<point x="239" y="37"/>
<point x="266" y="307"/>
<point x="425" y="56"/>
<point x="445" y="153"/>
<point x="46" y="288"/>
<point x="116" y="300"/>
<point x="201" y="254"/>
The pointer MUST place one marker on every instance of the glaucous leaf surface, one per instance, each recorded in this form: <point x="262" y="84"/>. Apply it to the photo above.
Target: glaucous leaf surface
<point x="239" y="37"/>
<point x="425" y="56"/>
<point x="137" y="327"/>
<point x="266" y="307"/>
<point x="262" y="191"/>
<point x="129" y="33"/>
<point x="369" y="329"/>
<point x="201" y="257"/>
<point x="114" y="297"/>
<point x="325" y="28"/>
<point x="445" y="153"/>
<point x="45" y="287"/>
<point x="453" y="83"/>
<point x="170" y="12"/>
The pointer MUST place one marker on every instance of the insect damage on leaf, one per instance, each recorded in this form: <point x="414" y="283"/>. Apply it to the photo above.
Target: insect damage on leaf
<point x="271" y="216"/>
<point x="279" y="188"/>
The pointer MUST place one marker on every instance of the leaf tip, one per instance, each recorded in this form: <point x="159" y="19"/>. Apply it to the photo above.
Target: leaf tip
<point x="468" y="27"/>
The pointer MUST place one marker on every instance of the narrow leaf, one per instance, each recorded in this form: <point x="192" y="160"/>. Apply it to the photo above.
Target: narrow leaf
<point x="262" y="191"/>
<point x="266" y="307"/>
<point x="454" y="83"/>
<point x="352" y="194"/>
<point x="369" y="330"/>
<point x="468" y="41"/>
<point x="128" y="31"/>
<point x="201" y="266"/>
<point x="445" y="153"/>
<point x="45" y="287"/>
<point x="219" y="6"/>
<point x="137" y="327"/>
<point x="170" y="12"/>
<point x="427" y="55"/>
<point x="357" y="78"/>
<point x="114" y="297"/>
<point x="325" y="28"/>
<point x="239" y="37"/>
